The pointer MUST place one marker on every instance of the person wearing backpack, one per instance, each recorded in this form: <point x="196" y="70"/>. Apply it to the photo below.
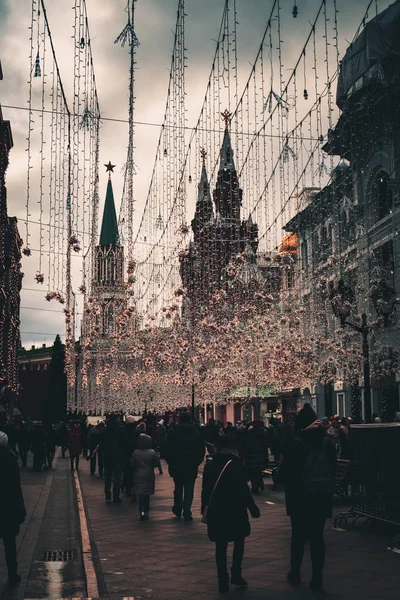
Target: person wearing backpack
<point x="308" y="472"/>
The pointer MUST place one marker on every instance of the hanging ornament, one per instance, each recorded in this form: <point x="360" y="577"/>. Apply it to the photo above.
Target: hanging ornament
<point x="165" y="152"/>
<point x="305" y="94"/>
<point x="82" y="43"/>
<point x="26" y="251"/>
<point x="39" y="277"/>
<point x="295" y="11"/>
<point x="38" y="71"/>
<point x="190" y="179"/>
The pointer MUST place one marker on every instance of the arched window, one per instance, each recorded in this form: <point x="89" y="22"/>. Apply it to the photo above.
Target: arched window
<point x="381" y="195"/>
<point x="100" y="266"/>
<point x="109" y="319"/>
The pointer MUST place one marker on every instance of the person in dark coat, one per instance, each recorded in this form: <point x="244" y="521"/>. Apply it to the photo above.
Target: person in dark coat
<point x="50" y="444"/>
<point x="255" y="452"/>
<point x="63" y="435"/>
<point x="24" y="442"/>
<point x="38" y="447"/>
<point x="94" y="443"/>
<point x="308" y="509"/>
<point x="130" y="443"/>
<point x="184" y="452"/>
<point x="144" y="460"/>
<point x="227" y="518"/>
<point x="114" y="457"/>
<point x="75" y="446"/>
<point x="12" y="507"/>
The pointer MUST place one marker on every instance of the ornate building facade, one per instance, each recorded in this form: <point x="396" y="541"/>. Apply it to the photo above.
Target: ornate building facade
<point x="10" y="269"/>
<point x="349" y="230"/>
<point x="223" y="252"/>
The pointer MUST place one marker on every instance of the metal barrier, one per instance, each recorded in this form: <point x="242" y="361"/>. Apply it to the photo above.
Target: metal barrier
<point x="375" y="474"/>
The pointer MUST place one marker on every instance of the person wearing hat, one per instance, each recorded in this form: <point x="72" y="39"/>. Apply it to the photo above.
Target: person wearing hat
<point x="225" y="499"/>
<point x="12" y="507"/>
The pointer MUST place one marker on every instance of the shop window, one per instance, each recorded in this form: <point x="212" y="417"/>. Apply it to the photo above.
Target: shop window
<point x="340" y="407"/>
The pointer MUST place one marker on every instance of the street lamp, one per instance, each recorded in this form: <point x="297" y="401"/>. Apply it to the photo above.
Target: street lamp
<point x="342" y="298"/>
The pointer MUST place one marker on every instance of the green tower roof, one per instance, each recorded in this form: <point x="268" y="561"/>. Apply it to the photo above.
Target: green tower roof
<point x="109" y="228"/>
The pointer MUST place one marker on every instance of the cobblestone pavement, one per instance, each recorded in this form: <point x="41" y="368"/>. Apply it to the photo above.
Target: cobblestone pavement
<point x="167" y="559"/>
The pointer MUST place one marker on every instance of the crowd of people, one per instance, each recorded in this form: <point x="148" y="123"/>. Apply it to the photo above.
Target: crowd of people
<point x="126" y="453"/>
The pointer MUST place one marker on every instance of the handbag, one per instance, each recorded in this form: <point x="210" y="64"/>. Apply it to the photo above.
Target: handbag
<point x="204" y="517"/>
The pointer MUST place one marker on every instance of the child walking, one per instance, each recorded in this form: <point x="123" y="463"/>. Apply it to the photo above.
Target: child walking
<point x="225" y="500"/>
<point x="144" y="460"/>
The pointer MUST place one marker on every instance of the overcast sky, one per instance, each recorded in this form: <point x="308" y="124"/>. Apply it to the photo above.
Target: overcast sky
<point x="155" y="22"/>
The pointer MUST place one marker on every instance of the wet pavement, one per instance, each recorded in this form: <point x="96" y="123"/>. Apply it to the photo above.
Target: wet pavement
<point x="167" y="559"/>
<point x="51" y="525"/>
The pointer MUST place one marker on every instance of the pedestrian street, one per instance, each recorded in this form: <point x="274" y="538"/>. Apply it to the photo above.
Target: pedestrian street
<point x="168" y="559"/>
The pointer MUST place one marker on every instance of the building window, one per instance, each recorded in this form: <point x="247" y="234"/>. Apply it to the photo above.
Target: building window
<point x="340" y="405"/>
<point x="324" y="244"/>
<point x="381" y="195"/>
<point x="304" y="255"/>
<point x="382" y="264"/>
<point x="315" y="248"/>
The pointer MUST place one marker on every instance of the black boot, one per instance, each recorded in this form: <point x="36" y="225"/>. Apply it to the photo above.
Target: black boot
<point x="14" y="579"/>
<point x="223" y="582"/>
<point x="237" y="579"/>
<point x="294" y="577"/>
<point x="316" y="584"/>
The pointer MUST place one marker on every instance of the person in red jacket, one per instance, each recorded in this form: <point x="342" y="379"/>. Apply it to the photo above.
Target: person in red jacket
<point x="74" y="446"/>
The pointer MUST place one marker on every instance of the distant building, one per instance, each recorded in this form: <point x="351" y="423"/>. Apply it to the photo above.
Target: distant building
<point x="10" y="269"/>
<point x="105" y="309"/>
<point x="223" y="256"/>
<point x="34" y="380"/>
<point x="223" y="252"/>
<point x="349" y="230"/>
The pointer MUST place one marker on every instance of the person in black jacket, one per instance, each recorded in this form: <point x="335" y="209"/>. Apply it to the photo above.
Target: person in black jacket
<point x="113" y="448"/>
<point x="184" y="452"/>
<point x="255" y="452"/>
<point x="227" y="518"/>
<point x="308" y="470"/>
<point x="12" y="507"/>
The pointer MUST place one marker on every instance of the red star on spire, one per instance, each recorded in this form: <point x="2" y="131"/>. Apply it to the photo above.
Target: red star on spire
<point x="109" y="169"/>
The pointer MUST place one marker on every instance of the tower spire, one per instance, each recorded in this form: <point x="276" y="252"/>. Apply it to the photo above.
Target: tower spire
<point x="226" y="154"/>
<point x="109" y="235"/>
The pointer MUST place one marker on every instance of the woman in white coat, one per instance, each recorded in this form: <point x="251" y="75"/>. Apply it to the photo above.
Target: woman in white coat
<point x="144" y="460"/>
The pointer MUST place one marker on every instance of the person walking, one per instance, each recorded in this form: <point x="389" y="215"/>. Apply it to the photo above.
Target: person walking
<point x="308" y="472"/>
<point x="63" y="435"/>
<point x="114" y="457"/>
<point x="225" y="499"/>
<point x="130" y="445"/>
<point x="23" y="442"/>
<point x="38" y="446"/>
<point x="12" y="507"/>
<point x="184" y="452"/>
<point x="255" y="453"/>
<point x="144" y="460"/>
<point x="74" y="446"/>
<point x="94" y="441"/>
